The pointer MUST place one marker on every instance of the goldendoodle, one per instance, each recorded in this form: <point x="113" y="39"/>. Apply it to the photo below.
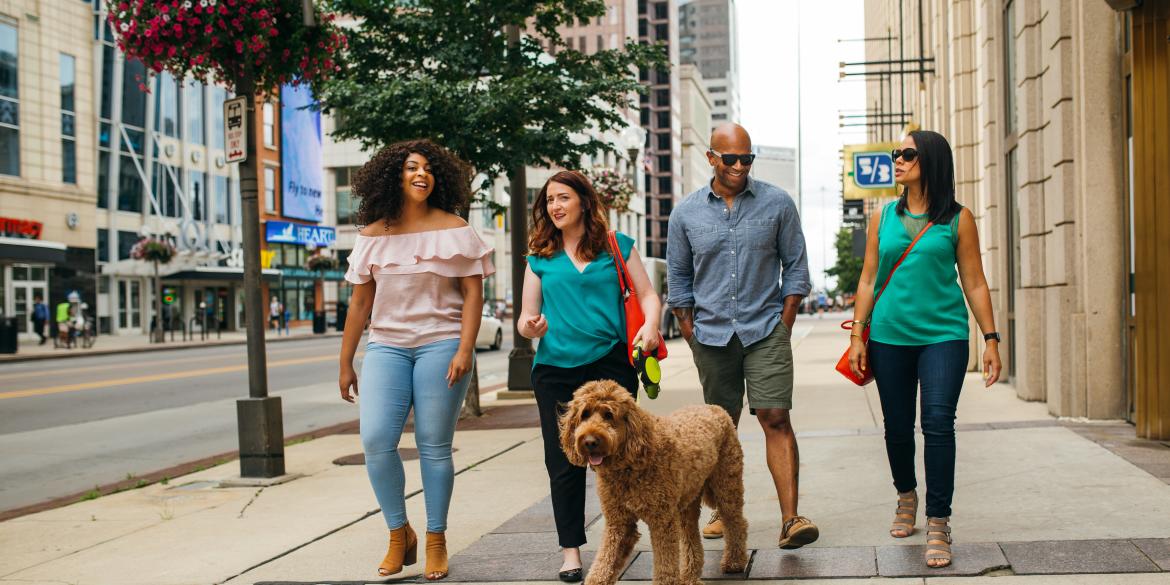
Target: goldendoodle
<point x="657" y="469"/>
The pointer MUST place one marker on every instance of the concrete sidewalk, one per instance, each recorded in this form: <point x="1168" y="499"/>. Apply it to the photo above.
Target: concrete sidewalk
<point x="1034" y="497"/>
<point x="136" y="343"/>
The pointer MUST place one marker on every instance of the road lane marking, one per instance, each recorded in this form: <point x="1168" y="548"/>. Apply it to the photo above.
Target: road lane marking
<point x="155" y="378"/>
<point x="217" y="357"/>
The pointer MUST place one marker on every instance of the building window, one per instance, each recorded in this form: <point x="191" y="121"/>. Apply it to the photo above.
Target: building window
<point x="661" y="10"/>
<point x="68" y="120"/>
<point x="269" y="125"/>
<point x="663" y="120"/>
<point x="346" y="204"/>
<point x="107" y="96"/>
<point x="662" y="32"/>
<point x="197" y="195"/>
<point x="103" y="246"/>
<point x="581" y="45"/>
<point x="129" y="183"/>
<point x="193" y="92"/>
<point x="1011" y="117"/>
<point x="600" y="42"/>
<point x="717" y="89"/>
<point x="126" y="241"/>
<point x="718" y="116"/>
<point x="270" y="189"/>
<point x="720" y="103"/>
<point x="662" y="97"/>
<point x="665" y="185"/>
<point x="663" y="141"/>
<point x="167" y="106"/>
<point x="9" y="102"/>
<point x="223" y="209"/>
<point x="134" y="94"/>
<point x="664" y="164"/>
<point x="103" y="194"/>
<point x="645" y="116"/>
<point x="218" y="97"/>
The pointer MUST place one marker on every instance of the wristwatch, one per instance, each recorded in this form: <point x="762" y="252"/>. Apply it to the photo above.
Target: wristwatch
<point x="993" y="335"/>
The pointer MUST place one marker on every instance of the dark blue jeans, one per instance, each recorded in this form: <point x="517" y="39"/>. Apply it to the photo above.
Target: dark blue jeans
<point x="899" y="370"/>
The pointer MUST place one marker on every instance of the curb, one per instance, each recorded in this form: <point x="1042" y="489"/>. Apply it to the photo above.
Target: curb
<point x="152" y="348"/>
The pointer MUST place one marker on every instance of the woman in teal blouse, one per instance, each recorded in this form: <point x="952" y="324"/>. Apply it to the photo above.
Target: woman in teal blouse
<point x="572" y="303"/>
<point x="918" y="334"/>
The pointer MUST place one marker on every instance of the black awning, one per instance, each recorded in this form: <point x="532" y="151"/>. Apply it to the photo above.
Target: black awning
<point x="220" y="273"/>
<point x="35" y="251"/>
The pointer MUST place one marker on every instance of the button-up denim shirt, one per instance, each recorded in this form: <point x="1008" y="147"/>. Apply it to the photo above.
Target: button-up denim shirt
<point x="726" y="263"/>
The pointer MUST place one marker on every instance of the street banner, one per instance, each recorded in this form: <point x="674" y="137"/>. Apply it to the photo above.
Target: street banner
<point x="300" y="161"/>
<point x="869" y="170"/>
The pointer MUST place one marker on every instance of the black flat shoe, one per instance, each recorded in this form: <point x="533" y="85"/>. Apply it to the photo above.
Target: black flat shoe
<point x="570" y="576"/>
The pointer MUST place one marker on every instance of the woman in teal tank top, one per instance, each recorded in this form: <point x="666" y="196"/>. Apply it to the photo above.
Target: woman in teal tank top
<point x="573" y="304"/>
<point x="918" y="330"/>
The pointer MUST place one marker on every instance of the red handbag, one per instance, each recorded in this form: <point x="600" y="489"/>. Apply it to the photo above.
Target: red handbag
<point x="866" y="371"/>
<point x="634" y="317"/>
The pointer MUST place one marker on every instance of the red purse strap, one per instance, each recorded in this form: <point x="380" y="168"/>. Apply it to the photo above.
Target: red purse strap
<point x="620" y="264"/>
<point x="899" y="262"/>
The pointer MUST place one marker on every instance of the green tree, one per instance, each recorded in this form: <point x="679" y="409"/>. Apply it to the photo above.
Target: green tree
<point x="847" y="270"/>
<point x="443" y="69"/>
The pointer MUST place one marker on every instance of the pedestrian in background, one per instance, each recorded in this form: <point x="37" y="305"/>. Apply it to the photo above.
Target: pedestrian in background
<point x="274" y="314"/>
<point x="728" y="245"/>
<point x="40" y="316"/>
<point x="573" y="304"/>
<point x="418" y="271"/>
<point x="919" y="332"/>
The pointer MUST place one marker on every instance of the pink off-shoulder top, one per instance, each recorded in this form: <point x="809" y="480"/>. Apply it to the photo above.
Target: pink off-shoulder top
<point x="418" y="299"/>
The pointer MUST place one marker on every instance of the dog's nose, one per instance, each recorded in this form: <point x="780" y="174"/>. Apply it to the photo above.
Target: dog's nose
<point x="589" y="442"/>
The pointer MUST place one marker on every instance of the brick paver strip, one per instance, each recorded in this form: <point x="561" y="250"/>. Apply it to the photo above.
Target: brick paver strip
<point x="970" y="559"/>
<point x="810" y="562"/>
<point x="1076" y="556"/>
<point x="1158" y="549"/>
<point x="642" y="569"/>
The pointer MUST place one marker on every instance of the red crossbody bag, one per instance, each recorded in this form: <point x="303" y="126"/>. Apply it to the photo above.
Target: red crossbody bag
<point x="633" y="315"/>
<point x="866" y="371"/>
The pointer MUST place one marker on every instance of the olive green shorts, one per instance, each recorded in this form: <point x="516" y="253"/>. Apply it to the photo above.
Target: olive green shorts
<point x="764" y="368"/>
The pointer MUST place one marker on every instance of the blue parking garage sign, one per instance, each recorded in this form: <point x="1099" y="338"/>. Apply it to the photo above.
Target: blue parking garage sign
<point x="873" y="170"/>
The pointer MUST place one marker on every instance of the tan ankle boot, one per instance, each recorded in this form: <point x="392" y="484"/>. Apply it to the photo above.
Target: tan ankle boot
<point x="402" y="551"/>
<point x="436" y="556"/>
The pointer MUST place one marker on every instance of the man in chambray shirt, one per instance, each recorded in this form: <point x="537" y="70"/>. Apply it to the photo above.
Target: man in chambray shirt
<point x="736" y="272"/>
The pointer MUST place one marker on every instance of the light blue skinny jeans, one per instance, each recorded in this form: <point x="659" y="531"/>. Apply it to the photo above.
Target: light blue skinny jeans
<point x="394" y="380"/>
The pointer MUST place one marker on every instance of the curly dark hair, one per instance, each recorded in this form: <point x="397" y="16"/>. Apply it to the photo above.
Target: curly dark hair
<point x="378" y="184"/>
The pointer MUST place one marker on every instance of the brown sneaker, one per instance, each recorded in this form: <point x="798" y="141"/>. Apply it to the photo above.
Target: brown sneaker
<point x="714" y="527"/>
<point x="798" y="532"/>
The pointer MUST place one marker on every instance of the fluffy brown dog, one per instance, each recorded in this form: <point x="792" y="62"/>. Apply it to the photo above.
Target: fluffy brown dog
<point x="656" y="469"/>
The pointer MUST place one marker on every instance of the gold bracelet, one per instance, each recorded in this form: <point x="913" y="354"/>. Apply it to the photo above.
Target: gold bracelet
<point x="854" y="335"/>
<point x="862" y="323"/>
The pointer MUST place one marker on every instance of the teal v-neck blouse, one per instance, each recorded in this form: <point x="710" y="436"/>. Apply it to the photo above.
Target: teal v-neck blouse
<point x="583" y="308"/>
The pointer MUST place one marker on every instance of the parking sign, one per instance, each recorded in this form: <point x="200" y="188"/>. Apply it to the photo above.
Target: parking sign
<point x="235" y="124"/>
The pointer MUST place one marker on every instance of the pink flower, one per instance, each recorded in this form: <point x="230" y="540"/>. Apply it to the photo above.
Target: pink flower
<point x="273" y="32"/>
<point x="240" y="47"/>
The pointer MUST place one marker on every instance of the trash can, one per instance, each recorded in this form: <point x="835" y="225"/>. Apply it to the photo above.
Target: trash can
<point x="342" y="313"/>
<point x="8" y="335"/>
<point x="319" y="322"/>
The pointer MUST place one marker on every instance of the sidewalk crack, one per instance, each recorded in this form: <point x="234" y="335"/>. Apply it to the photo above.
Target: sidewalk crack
<point x="253" y="499"/>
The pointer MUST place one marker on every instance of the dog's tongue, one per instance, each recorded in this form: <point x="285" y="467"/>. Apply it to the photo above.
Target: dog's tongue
<point x="596" y="459"/>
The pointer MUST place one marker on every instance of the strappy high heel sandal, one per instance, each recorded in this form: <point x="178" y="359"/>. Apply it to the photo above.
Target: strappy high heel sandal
<point x="436" y="556"/>
<point x="401" y="552"/>
<point x="938" y="542"/>
<point x="906" y="514"/>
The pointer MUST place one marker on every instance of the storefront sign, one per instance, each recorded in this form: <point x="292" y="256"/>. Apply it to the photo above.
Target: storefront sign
<point x="20" y="228"/>
<point x="869" y="170"/>
<point x="313" y="274"/>
<point x="301" y="171"/>
<point x="284" y="232"/>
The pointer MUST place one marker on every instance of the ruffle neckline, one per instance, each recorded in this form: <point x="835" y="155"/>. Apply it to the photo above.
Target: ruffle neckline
<point x="454" y="252"/>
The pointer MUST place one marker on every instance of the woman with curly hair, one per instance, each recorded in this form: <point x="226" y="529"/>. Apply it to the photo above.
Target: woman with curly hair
<point x="418" y="271"/>
<point x="572" y="302"/>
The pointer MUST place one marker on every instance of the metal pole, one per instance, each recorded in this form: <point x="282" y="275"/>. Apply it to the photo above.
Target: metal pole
<point x="799" y="124"/>
<point x="261" y="430"/>
<point x="520" y="359"/>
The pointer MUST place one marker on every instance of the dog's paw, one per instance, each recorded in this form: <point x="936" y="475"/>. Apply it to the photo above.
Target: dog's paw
<point x="732" y="566"/>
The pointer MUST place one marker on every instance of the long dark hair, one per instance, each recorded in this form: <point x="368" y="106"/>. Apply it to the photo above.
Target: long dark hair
<point x="937" y="166"/>
<point x="547" y="240"/>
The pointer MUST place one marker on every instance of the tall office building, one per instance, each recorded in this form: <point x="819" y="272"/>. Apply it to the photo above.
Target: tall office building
<point x="777" y="165"/>
<point x="658" y="23"/>
<point x="707" y="38"/>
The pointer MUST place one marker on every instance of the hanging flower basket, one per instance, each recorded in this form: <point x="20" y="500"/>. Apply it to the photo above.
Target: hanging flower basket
<point x="264" y="41"/>
<point x="153" y="250"/>
<point x="616" y="190"/>
<point x="320" y="262"/>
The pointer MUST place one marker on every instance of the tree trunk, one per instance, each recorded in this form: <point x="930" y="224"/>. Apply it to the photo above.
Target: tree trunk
<point x="159" y="337"/>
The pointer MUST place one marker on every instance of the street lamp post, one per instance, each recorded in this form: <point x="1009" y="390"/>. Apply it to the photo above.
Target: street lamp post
<point x="522" y="354"/>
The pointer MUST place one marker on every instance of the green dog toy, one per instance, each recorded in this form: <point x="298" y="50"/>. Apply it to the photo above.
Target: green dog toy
<point x="648" y="370"/>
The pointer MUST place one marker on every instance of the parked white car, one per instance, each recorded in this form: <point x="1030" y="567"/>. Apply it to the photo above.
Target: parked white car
<point x="491" y="331"/>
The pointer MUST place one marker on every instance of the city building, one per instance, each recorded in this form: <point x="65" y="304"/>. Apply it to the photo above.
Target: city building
<point x="707" y="37"/>
<point x="48" y="176"/>
<point x="777" y="165"/>
<point x="658" y="23"/>
<point x="695" y="113"/>
<point x="1056" y="112"/>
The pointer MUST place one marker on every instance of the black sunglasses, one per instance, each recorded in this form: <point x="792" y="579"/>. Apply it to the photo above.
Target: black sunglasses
<point x="907" y="154"/>
<point x="729" y="159"/>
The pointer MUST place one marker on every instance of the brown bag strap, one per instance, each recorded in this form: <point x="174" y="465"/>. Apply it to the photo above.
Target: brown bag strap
<point x="899" y="262"/>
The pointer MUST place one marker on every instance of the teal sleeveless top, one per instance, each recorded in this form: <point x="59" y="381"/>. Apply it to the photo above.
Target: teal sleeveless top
<point x="923" y="303"/>
<point x="583" y="308"/>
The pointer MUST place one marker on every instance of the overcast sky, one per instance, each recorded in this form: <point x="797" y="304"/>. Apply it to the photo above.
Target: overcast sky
<point x="768" y="90"/>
